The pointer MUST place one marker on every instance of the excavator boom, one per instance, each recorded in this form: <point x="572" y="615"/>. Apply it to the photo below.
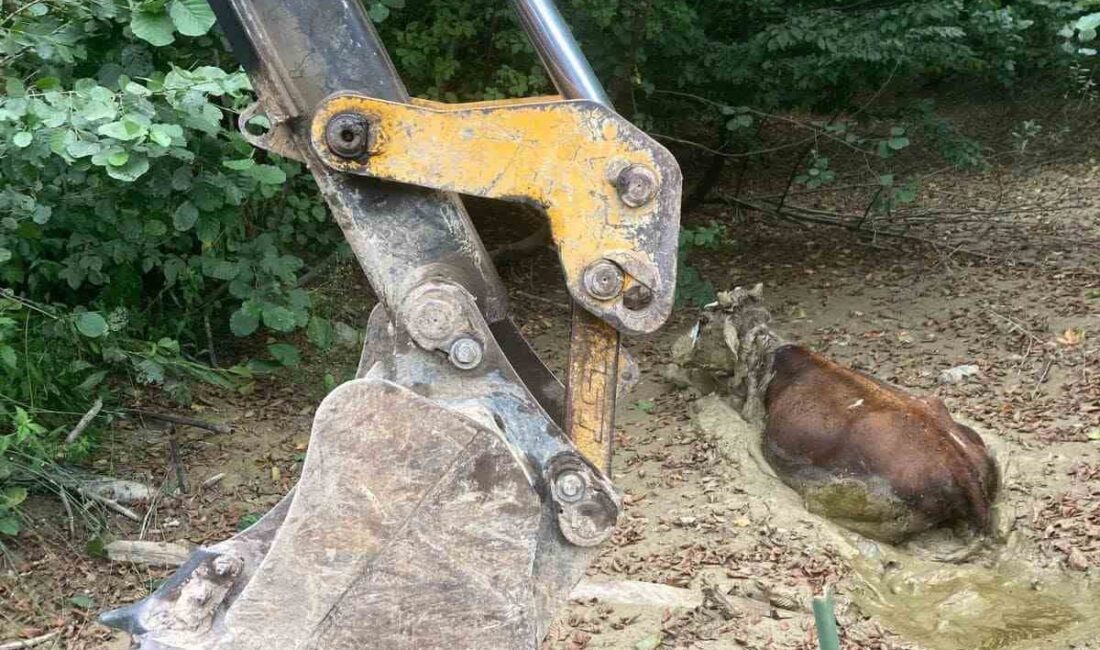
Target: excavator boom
<point x="455" y="491"/>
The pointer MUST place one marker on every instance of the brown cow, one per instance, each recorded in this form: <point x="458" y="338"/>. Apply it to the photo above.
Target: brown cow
<point x="864" y="453"/>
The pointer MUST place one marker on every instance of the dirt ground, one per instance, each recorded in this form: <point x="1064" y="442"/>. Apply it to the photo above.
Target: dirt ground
<point x="1019" y="299"/>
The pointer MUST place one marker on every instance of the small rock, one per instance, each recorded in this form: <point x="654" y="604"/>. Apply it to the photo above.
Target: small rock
<point x="958" y="374"/>
<point x="1077" y="560"/>
<point x="633" y="592"/>
<point x="118" y="490"/>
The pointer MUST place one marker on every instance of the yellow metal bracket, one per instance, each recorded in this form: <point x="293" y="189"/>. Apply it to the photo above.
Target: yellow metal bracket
<point x="610" y="192"/>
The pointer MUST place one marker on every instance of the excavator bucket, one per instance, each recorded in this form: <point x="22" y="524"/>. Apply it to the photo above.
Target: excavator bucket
<point x="410" y="527"/>
<point x="455" y="491"/>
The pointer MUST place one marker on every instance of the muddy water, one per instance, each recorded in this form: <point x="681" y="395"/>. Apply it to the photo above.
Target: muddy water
<point x="1006" y="605"/>
<point x="998" y="598"/>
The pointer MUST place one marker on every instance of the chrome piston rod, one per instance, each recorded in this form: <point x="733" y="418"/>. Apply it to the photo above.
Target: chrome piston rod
<point x="561" y="55"/>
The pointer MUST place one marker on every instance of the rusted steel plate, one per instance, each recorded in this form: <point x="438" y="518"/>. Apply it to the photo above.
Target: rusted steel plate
<point x="590" y="388"/>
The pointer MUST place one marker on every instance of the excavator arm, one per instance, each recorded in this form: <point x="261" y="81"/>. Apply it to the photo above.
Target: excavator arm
<point x="454" y="492"/>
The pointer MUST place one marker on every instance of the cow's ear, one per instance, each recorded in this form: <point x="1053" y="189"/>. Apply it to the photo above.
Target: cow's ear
<point x="757" y="291"/>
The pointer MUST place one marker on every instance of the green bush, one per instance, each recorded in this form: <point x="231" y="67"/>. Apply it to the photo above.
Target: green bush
<point x="131" y="213"/>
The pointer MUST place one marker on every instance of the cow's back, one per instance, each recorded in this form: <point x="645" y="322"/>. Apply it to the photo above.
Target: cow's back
<point x="876" y="458"/>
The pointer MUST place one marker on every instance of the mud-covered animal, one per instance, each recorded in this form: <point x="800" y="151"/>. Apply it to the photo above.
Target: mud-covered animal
<point x="868" y="455"/>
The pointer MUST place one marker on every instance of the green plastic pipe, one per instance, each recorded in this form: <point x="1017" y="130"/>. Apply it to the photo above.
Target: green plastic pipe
<point x="825" y="621"/>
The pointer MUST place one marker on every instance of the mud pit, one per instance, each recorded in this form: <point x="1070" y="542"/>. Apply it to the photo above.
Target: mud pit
<point x="701" y="512"/>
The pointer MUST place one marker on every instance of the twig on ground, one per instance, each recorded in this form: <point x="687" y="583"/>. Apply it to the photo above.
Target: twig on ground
<point x="1018" y="326"/>
<point x="109" y="503"/>
<point x="216" y="427"/>
<point x="29" y="643"/>
<point x="84" y="421"/>
<point x="174" y="458"/>
<point x="1042" y="377"/>
<point x="209" y="340"/>
<point x="68" y="512"/>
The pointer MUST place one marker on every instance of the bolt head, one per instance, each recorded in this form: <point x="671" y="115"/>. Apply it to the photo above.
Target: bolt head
<point x="466" y="353"/>
<point x="226" y="565"/>
<point x="637" y="297"/>
<point x="603" y="279"/>
<point x="434" y="319"/>
<point x="637" y="185"/>
<point x="348" y="135"/>
<point x="570" y="486"/>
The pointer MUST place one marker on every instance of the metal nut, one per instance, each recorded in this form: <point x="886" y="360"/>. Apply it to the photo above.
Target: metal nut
<point x="603" y="279"/>
<point x="637" y="185"/>
<point x="348" y="135"/>
<point x="637" y="297"/>
<point x="466" y="353"/>
<point x="570" y="486"/>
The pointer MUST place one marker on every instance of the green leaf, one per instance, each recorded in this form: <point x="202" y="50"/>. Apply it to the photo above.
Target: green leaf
<point x="13" y="496"/>
<point x="83" y="149"/>
<point x="240" y="164"/>
<point x="182" y="179"/>
<point x="898" y="143"/>
<point x="134" y="168"/>
<point x="22" y="139"/>
<point x="96" y="547"/>
<point x="185" y="216"/>
<point x="14" y="87"/>
<point x="91" y="324"/>
<point x="83" y="601"/>
<point x="134" y="88"/>
<point x="286" y="354"/>
<point x="8" y="357"/>
<point x="268" y="174"/>
<point x="320" y="332"/>
<point x="1088" y="22"/>
<point x="125" y="129"/>
<point x="154" y="228"/>
<point x="378" y="12"/>
<point x="92" y="380"/>
<point x="95" y="110"/>
<point x="9" y="526"/>
<point x="247" y="520"/>
<point x="154" y="27"/>
<point x="243" y="322"/>
<point x="191" y="17"/>
<point x="219" y="269"/>
<point x="645" y="405"/>
<point x="278" y="318"/>
<point x="42" y="214"/>
<point x="118" y="158"/>
<point x="739" y="122"/>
